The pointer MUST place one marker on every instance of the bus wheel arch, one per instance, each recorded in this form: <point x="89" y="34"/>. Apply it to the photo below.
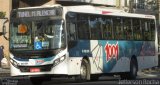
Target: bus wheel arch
<point x="84" y="70"/>
<point x="88" y="67"/>
<point x="133" y="69"/>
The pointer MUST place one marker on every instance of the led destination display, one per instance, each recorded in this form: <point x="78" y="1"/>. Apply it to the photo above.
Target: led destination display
<point x="39" y="12"/>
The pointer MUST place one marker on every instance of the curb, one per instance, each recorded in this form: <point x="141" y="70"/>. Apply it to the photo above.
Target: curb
<point x="4" y="72"/>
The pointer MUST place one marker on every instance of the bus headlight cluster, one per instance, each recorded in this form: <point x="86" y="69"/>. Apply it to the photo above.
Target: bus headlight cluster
<point x="14" y="63"/>
<point x="59" y="60"/>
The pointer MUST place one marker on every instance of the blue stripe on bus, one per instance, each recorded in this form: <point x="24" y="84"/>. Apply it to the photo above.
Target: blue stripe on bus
<point x="81" y="49"/>
<point x="124" y="49"/>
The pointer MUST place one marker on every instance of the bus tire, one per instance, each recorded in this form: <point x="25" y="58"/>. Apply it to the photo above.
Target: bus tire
<point x="84" y="72"/>
<point x="133" y="69"/>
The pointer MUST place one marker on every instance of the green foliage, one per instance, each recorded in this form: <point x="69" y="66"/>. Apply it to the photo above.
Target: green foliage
<point x="2" y="14"/>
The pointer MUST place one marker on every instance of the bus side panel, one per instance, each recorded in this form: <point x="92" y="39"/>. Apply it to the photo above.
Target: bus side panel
<point x="112" y="56"/>
<point x="74" y="65"/>
<point x="96" y="60"/>
<point x="147" y="61"/>
<point x="77" y="50"/>
<point x="117" y="55"/>
<point x="148" y="57"/>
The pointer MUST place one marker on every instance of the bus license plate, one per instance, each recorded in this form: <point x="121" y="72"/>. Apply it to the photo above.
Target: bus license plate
<point x="34" y="70"/>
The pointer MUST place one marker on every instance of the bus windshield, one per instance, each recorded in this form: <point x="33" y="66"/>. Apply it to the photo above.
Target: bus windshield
<point x="38" y="34"/>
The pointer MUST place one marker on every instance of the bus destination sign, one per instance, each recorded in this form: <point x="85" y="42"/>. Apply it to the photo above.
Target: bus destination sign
<point x="38" y="13"/>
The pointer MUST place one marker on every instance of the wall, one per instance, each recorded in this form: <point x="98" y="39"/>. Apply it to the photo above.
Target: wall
<point x="102" y="2"/>
<point x="5" y="6"/>
<point x="28" y="3"/>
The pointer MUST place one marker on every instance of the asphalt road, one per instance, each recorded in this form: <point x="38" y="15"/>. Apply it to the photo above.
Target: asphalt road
<point x="143" y="78"/>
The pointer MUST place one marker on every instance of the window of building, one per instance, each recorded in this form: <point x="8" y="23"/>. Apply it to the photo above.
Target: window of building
<point x="141" y="4"/>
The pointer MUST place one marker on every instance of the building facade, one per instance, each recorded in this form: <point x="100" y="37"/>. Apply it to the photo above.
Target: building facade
<point x="5" y="6"/>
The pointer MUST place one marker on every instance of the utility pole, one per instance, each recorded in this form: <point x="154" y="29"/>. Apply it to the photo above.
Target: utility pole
<point x="159" y="24"/>
<point x="159" y="12"/>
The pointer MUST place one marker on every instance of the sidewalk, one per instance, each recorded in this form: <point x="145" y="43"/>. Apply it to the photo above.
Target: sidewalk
<point x="152" y="70"/>
<point x="4" y="72"/>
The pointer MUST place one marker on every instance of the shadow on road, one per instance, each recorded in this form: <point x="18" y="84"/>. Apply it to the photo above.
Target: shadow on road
<point x="70" y="81"/>
<point x="101" y="81"/>
<point x="55" y="81"/>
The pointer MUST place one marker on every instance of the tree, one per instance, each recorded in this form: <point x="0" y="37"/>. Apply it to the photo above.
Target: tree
<point x="2" y="14"/>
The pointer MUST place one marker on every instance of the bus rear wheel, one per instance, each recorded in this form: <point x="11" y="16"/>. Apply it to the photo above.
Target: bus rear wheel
<point x="132" y="74"/>
<point x="133" y="69"/>
<point x="84" y="71"/>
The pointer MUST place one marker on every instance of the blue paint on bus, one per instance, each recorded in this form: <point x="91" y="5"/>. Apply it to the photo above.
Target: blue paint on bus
<point x="125" y="49"/>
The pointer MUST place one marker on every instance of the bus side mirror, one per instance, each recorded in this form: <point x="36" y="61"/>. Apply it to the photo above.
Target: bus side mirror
<point x="4" y="29"/>
<point x="4" y="32"/>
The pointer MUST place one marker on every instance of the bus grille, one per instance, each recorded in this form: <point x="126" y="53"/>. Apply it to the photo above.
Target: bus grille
<point x="43" y="68"/>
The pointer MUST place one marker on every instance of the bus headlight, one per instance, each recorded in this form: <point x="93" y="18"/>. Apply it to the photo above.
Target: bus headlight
<point x="14" y="63"/>
<point x="59" y="60"/>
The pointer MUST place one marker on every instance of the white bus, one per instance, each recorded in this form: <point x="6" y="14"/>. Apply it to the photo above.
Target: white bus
<point x="80" y="41"/>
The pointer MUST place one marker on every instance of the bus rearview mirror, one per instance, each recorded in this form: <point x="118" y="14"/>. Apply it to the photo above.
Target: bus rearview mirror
<point x="4" y="29"/>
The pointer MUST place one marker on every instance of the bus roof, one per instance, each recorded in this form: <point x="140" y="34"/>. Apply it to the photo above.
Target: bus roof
<point x="95" y="10"/>
<point x="39" y="7"/>
<point x="105" y="11"/>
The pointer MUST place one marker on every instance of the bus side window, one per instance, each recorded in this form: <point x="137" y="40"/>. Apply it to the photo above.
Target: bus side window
<point x="118" y="28"/>
<point x="71" y="26"/>
<point x="95" y="27"/>
<point x="147" y="30"/>
<point x="137" y="32"/>
<point x="107" y="29"/>
<point x="83" y="26"/>
<point x="72" y="31"/>
<point x="152" y="27"/>
<point x="127" y="29"/>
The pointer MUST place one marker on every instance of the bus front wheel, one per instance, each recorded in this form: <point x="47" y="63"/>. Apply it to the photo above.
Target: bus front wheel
<point x="84" y="71"/>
